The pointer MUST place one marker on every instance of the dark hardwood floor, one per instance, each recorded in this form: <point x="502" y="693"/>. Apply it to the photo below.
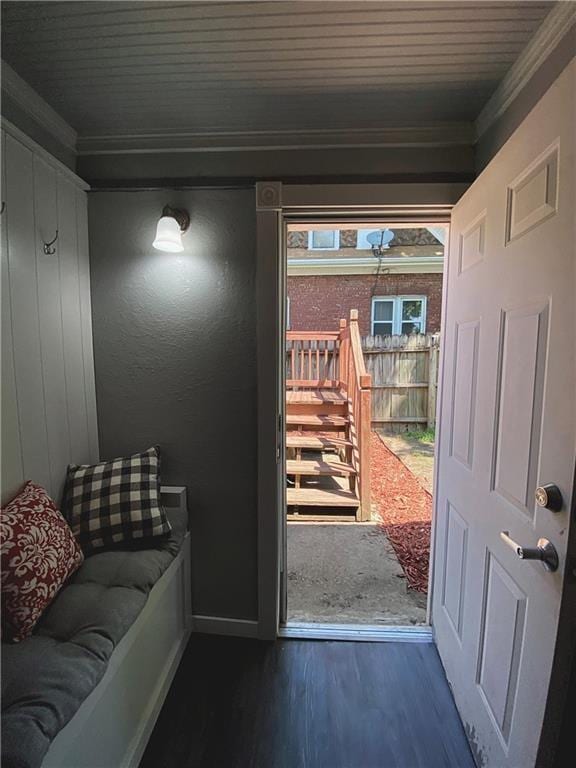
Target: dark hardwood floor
<point x="239" y="703"/>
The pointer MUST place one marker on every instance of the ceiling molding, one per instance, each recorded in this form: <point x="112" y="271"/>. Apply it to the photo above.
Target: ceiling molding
<point x="35" y="106"/>
<point x="366" y="266"/>
<point x="438" y="135"/>
<point x="552" y="30"/>
<point x="38" y="150"/>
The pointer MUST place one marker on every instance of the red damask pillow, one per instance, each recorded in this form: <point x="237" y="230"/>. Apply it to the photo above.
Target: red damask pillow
<point x="38" y="553"/>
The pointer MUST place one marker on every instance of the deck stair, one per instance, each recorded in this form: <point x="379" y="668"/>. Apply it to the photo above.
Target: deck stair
<point x="327" y="464"/>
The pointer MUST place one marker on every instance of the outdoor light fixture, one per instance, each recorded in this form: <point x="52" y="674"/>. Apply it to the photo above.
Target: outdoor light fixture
<point x="173" y="223"/>
<point x="380" y="241"/>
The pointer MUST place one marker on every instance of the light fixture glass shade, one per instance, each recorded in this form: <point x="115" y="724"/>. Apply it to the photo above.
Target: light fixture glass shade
<point x="168" y="235"/>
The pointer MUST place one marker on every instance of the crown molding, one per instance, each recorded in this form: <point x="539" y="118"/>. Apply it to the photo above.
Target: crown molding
<point x="36" y="107"/>
<point x="437" y="135"/>
<point x="38" y="150"/>
<point x="549" y="34"/>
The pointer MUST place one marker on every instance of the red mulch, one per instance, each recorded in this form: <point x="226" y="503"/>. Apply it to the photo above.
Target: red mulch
<point x="405" y="509"/>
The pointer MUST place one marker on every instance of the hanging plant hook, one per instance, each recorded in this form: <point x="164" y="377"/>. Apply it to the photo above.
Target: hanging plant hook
<point x="49" y="249"/>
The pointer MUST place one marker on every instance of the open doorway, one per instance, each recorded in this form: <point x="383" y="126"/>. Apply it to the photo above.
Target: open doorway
<point x="363" y="313"/>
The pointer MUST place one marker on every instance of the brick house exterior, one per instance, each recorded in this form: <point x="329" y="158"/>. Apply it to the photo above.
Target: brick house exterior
<point x="324" y="285"/>
<point x="317" y="302"/>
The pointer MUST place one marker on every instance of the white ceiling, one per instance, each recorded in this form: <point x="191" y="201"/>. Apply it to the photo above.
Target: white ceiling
<point x="132" y="68"/>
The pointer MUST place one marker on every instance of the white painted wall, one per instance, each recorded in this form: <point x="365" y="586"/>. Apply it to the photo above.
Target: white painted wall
<point x="48" y="393"/>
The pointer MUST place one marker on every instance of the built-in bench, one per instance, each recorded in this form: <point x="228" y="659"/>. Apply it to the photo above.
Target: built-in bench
<point x="85" y="689"/>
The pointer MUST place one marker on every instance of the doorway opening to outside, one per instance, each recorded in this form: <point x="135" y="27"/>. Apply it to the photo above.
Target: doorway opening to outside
<point x="362" y="343"/>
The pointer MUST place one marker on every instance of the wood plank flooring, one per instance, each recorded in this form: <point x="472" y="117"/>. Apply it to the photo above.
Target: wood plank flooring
<point x="238" y="703"/>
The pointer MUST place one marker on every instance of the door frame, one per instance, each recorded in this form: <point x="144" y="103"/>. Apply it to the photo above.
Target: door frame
<point x="275" y="205"/>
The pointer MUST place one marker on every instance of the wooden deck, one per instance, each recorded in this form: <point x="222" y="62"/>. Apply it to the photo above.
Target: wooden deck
<point x="313" y="467"/>
<point x="320" y="498"/>
<point x="315" y="421"/>
<point x="316" y="442"/>
<point x="316" y="397"/>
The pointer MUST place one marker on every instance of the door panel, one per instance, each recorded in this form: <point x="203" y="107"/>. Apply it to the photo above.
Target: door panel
<point x="519" y="387"/>
<point x="464" y="396"/>
<point x="502" y="622"/>
<point x="507" y="425"/>
<point x="454" y="586"/>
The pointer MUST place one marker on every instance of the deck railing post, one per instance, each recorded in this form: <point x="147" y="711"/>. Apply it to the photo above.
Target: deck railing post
<point x="364" y="430"/>
<point x="362" y="407"/>
<point x="343" y="354"/>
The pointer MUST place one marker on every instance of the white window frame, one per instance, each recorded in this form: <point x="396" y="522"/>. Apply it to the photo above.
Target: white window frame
<point x="335" y="247"/>
<point x="397" y="302"/>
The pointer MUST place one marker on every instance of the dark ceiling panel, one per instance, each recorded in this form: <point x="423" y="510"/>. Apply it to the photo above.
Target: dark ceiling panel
<point x="137" y="67"/>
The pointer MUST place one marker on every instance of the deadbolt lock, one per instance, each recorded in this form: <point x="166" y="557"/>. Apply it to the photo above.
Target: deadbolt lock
<point x="549" y="497"/>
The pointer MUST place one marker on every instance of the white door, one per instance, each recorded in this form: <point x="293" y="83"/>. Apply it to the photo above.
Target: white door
<point x="507" y="426"/>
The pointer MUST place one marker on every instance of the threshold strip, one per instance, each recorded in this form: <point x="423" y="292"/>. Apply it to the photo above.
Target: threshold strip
<point x="356" y="633"/>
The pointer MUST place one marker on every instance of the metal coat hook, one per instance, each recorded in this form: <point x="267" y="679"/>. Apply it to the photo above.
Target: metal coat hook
<point x="48" y="247"/>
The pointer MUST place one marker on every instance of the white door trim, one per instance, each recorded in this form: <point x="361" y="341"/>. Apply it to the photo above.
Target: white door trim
<point x="356" y="633"/>
<point x="275" y="205"/>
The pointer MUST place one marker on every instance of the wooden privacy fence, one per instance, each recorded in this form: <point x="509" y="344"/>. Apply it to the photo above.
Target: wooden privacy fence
<point x="404" y="371"/>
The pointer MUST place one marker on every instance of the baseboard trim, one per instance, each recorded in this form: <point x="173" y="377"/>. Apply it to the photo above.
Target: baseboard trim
<point x="356" y="633"/>
<point x="220" y="625"/>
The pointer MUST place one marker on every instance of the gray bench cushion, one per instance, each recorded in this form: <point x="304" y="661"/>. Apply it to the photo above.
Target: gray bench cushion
<point x="46" y="677"/>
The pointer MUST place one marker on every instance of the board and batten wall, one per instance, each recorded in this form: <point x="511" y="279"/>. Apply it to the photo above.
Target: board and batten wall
<point x="48" y="390"/>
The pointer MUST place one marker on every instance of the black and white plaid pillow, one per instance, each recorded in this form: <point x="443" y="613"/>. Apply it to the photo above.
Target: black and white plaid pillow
<point x="116" y="501"/>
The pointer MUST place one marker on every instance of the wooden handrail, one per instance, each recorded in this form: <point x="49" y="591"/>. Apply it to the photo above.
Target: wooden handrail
<point x="358" y="386"/>
<point x="312" y="359"/>
<point x="312" y="335"/>
<point x="356" y="343"/>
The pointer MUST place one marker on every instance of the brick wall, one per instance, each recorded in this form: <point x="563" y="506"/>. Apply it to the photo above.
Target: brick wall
<point x="317" y="302"/>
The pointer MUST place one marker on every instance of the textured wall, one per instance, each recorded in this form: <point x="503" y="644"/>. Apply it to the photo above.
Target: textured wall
<point x="317" y="302"/>
<point x="175" y="357"/>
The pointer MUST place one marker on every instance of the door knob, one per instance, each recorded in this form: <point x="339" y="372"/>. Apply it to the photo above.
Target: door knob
<point x="544" y="551"/>
<point x="549" y="496"/>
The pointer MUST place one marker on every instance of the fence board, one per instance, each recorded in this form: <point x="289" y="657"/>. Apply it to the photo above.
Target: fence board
<point x="401" y="367"/>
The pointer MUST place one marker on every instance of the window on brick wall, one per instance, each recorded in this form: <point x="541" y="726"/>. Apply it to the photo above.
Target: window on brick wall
<point x="324" y="240"/>
<point x="398" y="314"/>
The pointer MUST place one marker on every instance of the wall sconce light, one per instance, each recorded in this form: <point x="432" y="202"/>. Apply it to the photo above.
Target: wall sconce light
<point x="171" y="226"/>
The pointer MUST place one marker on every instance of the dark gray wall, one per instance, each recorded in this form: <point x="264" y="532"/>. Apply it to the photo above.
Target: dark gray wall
<point x="175" y="359"/>
<point x="391" y="164"/>
<point x="497" y="135"/>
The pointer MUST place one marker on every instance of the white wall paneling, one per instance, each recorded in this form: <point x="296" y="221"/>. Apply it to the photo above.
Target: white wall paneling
<point x="12" y="469"/>
<point x="48" y="401"/>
